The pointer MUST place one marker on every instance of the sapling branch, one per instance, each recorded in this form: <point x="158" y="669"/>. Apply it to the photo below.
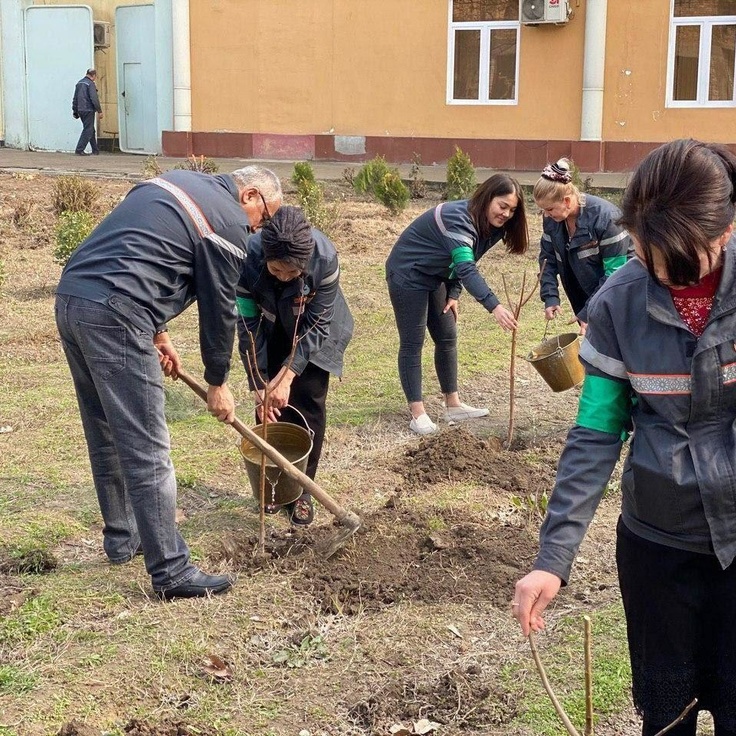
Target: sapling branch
<point x="545" y="682"/>
<point x="679" y="718"/>
<point x="588" y="677"/>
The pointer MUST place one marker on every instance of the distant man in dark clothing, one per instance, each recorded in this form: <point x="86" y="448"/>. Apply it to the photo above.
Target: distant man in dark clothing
<point x="84" y="106"/>
<point x="173" y="240"/>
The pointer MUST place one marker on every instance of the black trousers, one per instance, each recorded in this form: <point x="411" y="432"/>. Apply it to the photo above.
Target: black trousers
<point x="682" y="642"/>
<point x="308" y="395"/>
<point x="88" y="132"/>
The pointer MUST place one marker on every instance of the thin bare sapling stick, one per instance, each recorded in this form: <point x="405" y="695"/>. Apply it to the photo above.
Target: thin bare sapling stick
<point x="679" y="718"/>
<point x="523" y="299"/>
<point x="588" y="677"/>
<point x="545" y="682"/>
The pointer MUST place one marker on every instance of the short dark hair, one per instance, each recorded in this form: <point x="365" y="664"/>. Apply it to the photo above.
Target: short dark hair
<point x="91" y="72"/>
<point x="287" y="237"/>
<point x="516" y="234"/>
<point x="679" y="200"/>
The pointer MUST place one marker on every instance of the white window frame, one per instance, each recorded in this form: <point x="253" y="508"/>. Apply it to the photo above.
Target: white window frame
<point x="485" y="28"/>
<point x="706" y="23"/>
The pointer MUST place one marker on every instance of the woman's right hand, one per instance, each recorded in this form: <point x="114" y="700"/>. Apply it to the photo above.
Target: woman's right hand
<point x="505" y="318"/>
<point x="552" y="312"/>
<point x="532" y="595"/>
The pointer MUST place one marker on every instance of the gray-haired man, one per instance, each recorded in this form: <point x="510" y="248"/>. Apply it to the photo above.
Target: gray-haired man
<point x="174" y="239"/>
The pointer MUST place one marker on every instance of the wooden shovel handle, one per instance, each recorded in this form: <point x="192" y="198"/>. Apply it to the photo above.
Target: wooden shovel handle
<point x="345" y="517"/>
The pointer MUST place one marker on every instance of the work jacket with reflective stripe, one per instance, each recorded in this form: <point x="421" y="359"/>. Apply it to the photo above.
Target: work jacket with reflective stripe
<point x="645" y="368"/>
<point x="442" y="246"/>
<point x="313" y="305"/>
<point x="583" y="262"/>
<point x="150" y="259"/>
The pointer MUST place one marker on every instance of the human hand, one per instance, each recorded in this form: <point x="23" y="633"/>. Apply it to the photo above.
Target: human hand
<point x="279" y="388"/>
<point x="451" y="306"/>
<point x="220" y="403"/>
<point x="583" y="327"/>
<point x="505" y="318"/>
<point x="532" y="595"/>
<point x="552" y="312"/>
<point x="272" y="415"/>
<point x="100" y="115"/>
<point x="167" y="356"/>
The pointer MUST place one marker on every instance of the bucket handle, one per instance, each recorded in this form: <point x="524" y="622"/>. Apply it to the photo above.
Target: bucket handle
<point x="304" y="419"/>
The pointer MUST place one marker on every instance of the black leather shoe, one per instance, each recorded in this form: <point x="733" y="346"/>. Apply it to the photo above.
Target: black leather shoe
<point x="200" y="584"/>
<point x="81" y="153"/>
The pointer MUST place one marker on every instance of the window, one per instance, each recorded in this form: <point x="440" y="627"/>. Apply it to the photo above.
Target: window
<point x="483" y="66"/>
<point x="702" y="55"/>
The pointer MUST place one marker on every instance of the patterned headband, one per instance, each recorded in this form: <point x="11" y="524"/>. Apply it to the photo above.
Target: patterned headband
<point x="555" y="172"/>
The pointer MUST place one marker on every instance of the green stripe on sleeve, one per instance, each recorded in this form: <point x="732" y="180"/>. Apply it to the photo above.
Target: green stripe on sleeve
<point x="613" y="263"/>
<point x="462" y="254"/>
<point x="247" y="307"/>
<point x="605" y="405"/>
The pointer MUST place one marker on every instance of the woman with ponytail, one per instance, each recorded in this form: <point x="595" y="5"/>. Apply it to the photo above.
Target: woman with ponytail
<point x="660" y="357"/>
<point x="293" y="328"/>
<point x="582" y="243"/>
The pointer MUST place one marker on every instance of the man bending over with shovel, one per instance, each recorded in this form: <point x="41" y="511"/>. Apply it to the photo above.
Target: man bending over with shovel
<point x="294" y="327"/>
<point x="174" y="239"/>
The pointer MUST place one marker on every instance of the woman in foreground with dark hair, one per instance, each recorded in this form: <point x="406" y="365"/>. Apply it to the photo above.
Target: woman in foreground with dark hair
<point x="433" y="259"/>
<point x="660" y="356"/>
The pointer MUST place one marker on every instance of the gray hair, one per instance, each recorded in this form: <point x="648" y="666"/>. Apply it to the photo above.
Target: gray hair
<point x="264" y="180"/>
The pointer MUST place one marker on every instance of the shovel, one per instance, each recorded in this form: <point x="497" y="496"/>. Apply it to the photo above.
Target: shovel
<point x="347" y="519"/>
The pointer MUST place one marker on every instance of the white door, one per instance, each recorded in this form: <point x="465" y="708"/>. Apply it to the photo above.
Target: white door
<point x="59" y="50"/>
<point x="135" y="27"/>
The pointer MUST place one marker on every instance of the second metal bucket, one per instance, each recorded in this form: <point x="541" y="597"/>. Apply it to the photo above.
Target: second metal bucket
<point x="295" y="444"/>
<point x="556" y="360"/>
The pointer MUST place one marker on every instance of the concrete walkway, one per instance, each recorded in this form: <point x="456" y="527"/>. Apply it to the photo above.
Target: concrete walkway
<point x="130" y="166"/>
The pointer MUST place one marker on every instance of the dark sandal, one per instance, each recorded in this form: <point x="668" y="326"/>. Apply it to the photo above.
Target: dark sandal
<point x="301" y="511"/>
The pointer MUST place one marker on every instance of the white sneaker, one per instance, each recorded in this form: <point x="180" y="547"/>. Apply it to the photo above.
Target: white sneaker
<point x="462" y="412"/>
<point x="422" y="425"/>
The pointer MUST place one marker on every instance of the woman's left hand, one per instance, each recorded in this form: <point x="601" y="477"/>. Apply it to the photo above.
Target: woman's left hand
<point x="451" y="306"/>
<point x="505" y="318"/>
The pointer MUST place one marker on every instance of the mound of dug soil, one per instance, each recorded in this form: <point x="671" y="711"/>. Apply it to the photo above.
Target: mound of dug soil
<point x="138" y="728"/>
<point x="456" y="454"/>
<point x="397" y="556"/>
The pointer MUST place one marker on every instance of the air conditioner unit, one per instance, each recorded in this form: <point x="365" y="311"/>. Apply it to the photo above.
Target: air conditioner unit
<point x="101" y="32"/>
<point x="535" y="12"/>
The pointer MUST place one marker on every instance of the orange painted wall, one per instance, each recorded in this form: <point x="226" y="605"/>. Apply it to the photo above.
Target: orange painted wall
<point x="352" y="67"/>
<point x="636" y="76"/>
<point x="379" y="68"/>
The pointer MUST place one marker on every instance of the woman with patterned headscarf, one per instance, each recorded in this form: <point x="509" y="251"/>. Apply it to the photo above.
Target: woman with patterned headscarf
<point x="582" y="243"/>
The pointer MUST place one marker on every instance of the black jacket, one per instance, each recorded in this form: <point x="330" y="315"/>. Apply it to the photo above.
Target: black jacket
<point x="85" y="97"/>
<point x="149" y="260"/>
<point x="325" y="324"/>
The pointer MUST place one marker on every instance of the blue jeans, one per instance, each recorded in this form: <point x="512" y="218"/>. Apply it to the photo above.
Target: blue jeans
<point x="416" y="312"/>
<point x="119" y="386"/>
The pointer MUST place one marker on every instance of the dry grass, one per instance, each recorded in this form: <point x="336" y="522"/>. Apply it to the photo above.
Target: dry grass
<point x="88" y="641"/>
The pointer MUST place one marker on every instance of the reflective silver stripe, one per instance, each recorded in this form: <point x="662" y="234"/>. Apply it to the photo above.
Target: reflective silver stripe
<point x="270" y="316"/>
<point x="588" y="252"/>
<point x="454" y="236"/>
<point x="653" y="383"/>
<point x="192" y="208"/>
<point x="608" y="365"/>
<point x="615" y="238"/>
<point x="227" y="245"/>
<point x="729" y="373"/>
<point x="332" y="277"/>
<point x="558" y="256"/>
<point x="546" y="237"/>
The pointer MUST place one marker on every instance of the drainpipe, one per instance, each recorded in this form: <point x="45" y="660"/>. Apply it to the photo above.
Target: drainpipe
<point x="594" y="58"/>
<point x="182" y="66"/>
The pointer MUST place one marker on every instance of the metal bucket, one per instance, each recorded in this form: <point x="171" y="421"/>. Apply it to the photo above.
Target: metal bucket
<point x="556" y="360"/>
<point x="295" y="444"/>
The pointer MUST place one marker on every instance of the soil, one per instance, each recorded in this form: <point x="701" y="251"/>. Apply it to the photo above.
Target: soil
<point x="396" y="556"/>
